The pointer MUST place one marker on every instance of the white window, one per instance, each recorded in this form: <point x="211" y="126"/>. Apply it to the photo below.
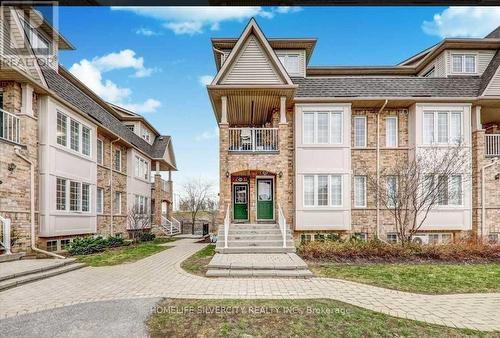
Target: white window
<point x="322" y="128"/>
<point x="391" y="131"/>
<point x="442" y="127"/>
<point x="450" y="190"/>
<point x="85" y="197"/>
<point x="290" y="62"/>
<point x="130" y="126"/>
<point x="360" y="191"/>
<point x="463" y="63"/>
<point x="85" y="141"/>
<point x="309" y="191"/>
<point x="100" y="200"/>
<point x="75" y="135"/>
<point x="117" y="203"/>
<point x="360" y="131"/>
<point x="146" y="134"/>
<point x="61" y="194"/>
<point x="392" y="237"/>
<point x="141" y="203"/>
<point x="322" y="190"/>
<point x="62" y="129"/>
<point x="141" y="168"/>
<point x="74" y="196"/>
<point x="392" y="188"/>
<point x="118" y="160"/>
<point x="100" y="151"/>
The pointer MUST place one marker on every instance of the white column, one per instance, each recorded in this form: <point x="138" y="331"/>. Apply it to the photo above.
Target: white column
<point x="157" y="167"/>
<point x="170" y="175"/>
<point x="27" y="99"/>
<point x="223" y="119"/>
<point x="476" y="118"/>
<point x="283" y="110"/>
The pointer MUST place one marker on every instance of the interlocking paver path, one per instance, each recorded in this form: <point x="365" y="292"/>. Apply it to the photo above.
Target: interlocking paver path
<point x="160" y="275"/>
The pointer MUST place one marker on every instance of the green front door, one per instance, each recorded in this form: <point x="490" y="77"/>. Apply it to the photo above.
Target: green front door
<point x="240" y="202"/>
<point x="265" y="201"/>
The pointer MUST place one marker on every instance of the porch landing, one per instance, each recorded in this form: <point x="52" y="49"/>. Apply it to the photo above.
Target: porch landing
<point x="258" y="265"/>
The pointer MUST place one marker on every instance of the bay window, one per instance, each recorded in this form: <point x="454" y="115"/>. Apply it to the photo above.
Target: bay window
<point x="322" y="128"/>
<point x="62" y="129"/>
<point x="74" y="196"/>
<point x="322" y="190"/>
<point x="442" y="127"/>
<point x="61" y="194"/>
<point x="76" y="135"/>
<point x="85" y="197"/>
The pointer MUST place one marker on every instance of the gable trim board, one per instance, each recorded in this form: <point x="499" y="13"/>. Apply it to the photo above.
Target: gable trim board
<point x="493" y="87"/>
<point x="245" y="40"/>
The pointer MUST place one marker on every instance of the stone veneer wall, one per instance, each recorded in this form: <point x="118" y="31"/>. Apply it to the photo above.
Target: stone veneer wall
<point x="15" y="187"/>
<point x="274" y="163"/>
<point x="119" y="185"/>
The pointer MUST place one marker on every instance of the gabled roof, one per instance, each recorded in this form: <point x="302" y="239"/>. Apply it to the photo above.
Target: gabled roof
<point x="489" y="72"/>
<point x="252" y="29"/>
<point x="69" y="89"/>
<point x="495" y="34"/>
<point x="128" y="115"/>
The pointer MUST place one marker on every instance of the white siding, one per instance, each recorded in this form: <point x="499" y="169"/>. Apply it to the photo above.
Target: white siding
<point x="137" y="185"/>
<point x="323" y="159"/>
<point x="302" y="59"/>
<point x="439" y="67"/>
<point x="252" y="66"/>
<point x="493" y="88"/>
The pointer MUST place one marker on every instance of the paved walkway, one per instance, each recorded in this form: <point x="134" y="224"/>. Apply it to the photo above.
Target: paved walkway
<point x="160" y="275"/>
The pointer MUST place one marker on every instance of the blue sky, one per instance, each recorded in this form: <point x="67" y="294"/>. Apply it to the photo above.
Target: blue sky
<point x="153" y="60"/>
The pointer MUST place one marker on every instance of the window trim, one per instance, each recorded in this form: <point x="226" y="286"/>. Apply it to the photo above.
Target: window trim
<point x="283" y="58"/>
<point x="99" y="208"/>
<point x="329" y="204"/>
<point x="137" y="169"/>
<point x="360" y="117"/>
<point x="435" y="133"/>
<point x="120" y="164"/>
<point x="387" y="119"/>
<point x="68" y="134"/>
<point x="67" y="199"/>
<point x="463" y="55"/>
<point x="119" y="204"/>
<point x="100" y="159"/>
<point x="330" y="136"/>
<point x="356" y="205"/>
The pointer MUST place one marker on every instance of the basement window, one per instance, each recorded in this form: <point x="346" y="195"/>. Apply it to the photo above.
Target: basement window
<point x="51" y="246"/>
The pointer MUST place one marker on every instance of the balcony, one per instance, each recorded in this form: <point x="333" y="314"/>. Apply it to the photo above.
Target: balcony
<point x="492" y="145"/>
<point x="253" y="140"/>
<point x="10" y="127"/>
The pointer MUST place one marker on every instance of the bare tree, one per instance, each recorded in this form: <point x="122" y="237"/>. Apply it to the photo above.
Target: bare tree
<point x="212" y="207"/>
<point x="196" y="194"/>
<point x="411" y="189"/>
<point x="138" y="219"/>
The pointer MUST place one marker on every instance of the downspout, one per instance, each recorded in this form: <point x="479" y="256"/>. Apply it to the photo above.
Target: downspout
<point x="378" y="168"/>
<point x="32" y="207"/>
<point x="483" y="195"/>
<point x="111" y="225"/>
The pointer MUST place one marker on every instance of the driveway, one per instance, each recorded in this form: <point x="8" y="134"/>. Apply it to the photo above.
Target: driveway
<point x="160" y="276"/>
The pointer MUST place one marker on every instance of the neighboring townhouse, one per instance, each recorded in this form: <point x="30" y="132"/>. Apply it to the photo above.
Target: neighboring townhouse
<point x="297" y="142"/>
<point x="70" y="163"/>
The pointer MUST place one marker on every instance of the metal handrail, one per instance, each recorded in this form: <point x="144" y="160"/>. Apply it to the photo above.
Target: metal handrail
<point x="10" y="126"/>
<point x="227" y="222"/>
<point x="177" y="224"/>
<point x="492" y="145"/>
<point x="253" y="139"/>
<point x="282" y="224"/>
<point x="6" y="223"/>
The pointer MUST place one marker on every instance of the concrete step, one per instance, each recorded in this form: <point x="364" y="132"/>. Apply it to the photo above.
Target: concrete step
<point x="253" y="226"/>
<point x="281" y="261"/>
<point x="242" y="273"/>
<point x="255" y="237"/>
<point x="57" y="264"/>
<point x="254" y="249"/>
<point x="258" y="243"/>
<point x="11" y="257"/>
<point x="13" y="282"/>
<point x="251" y="232"/>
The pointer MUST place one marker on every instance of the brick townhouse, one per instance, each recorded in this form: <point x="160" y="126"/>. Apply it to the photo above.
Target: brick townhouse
<point x="71" y="164"/>
<point x="297" y="141"/>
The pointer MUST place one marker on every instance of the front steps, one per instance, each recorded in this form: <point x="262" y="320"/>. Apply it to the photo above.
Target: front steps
<point x="24" y="271"/>
<point x="256" y="251"/>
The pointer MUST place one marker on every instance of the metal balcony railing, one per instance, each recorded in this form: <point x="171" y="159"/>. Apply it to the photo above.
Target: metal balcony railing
<point x="253" y="139"/>
<point x="492" y="145"/>
<point x="10" y="126"/>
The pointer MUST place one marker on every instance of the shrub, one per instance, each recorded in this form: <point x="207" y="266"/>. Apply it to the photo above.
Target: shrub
<point x="378" y="251"/>
<point x="147" y="237"/>
<point x="90" y="245"/>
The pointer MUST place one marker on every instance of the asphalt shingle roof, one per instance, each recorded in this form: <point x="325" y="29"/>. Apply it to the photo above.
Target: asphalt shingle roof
<point x="490" y="71"/>
<point x="72" y="94"/>
<point x="387" y="86"/>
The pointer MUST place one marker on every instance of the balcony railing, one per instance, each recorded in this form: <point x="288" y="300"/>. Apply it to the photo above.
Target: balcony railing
<point x="253" y="139"/>
<point x="492" y="145"/>
<point x="10" y="126"/>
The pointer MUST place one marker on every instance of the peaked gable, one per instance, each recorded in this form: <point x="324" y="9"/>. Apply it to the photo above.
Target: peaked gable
<point x="252" y="61"/>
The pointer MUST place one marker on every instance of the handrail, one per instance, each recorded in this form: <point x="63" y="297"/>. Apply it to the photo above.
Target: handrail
<point x="177" y="224"/>
<point x="253" y="139"/>
<point x="10" y="126"/>
<point x="169" y="225"/>
<point x="492" y="145"/>
<point x="227" y="222"/>
<point x="5" y="234"/>
<point x="282" y="224"/>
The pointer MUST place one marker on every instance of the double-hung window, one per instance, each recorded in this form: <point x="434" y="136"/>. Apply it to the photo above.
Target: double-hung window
<point x="442" y="127"/>
<point x="85" y="141"/>
<point x="100" y="200"/>
<point x="322" y="127"/>
<point x="392" y="189"/>
<point x="100" y="152"/>
<point x="118" y="160"/>
<point x="141" y="204"/>
<point x="141" y="168"/>
<point x="61" y="186"/>
<point x="62" y="129"/>
<point x="117" y="203"/>
<point x="73" y="134"/>
<point x="72" y="195"/>
<point x="360" y="131"/>
<point x="449" y="190"/>
<point x="322" y="190"/>
<point x="391" y="131"/>
<point x="360" y="191"/>
<point x="463" y="63"/>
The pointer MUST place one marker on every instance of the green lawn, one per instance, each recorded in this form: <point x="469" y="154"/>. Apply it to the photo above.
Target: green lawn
<point x="286" y="318"/>
<point x="125" y="254"/>
<point x="424" y="278"/>
<point x="197" y="264"/>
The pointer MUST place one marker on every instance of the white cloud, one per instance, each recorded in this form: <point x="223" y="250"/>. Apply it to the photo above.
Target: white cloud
<point x="463" y="22"/>
<point x="288" y="9"/>
<point x="91" y="74"/>
<point x="146" y="32"/>
<point x="205" y="80"/>
<point x="192" y="20"/>
<point x="208" y="135"/>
